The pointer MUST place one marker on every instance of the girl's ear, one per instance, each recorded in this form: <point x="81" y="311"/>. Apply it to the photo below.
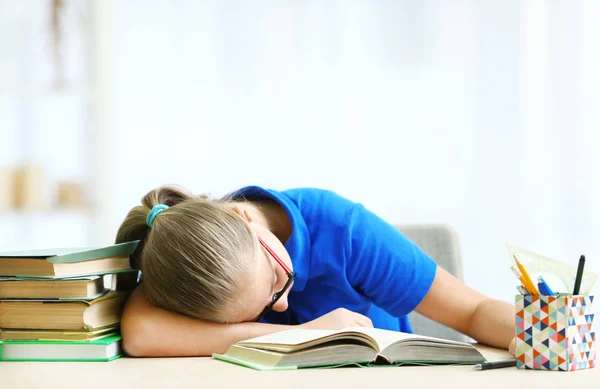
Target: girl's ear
<point x="243" y="212"/>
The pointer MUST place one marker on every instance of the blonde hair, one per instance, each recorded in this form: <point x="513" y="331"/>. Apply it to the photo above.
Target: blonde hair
<point x="196" y="255"/>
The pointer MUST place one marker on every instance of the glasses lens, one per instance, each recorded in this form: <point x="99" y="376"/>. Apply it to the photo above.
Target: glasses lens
<point x="277" y="296"/>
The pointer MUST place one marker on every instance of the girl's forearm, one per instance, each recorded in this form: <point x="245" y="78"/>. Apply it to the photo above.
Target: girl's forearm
<point x="493" y="323"/>
<point x="149" y="331"/>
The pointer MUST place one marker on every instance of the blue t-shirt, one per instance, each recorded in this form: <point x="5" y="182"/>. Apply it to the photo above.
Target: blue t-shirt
<point x="346" y="256"/>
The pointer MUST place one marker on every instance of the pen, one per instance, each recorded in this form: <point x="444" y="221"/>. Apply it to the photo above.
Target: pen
<point x="544" y="288"/>
<point x="495" y="364"/>
<point x="579" y="275"/>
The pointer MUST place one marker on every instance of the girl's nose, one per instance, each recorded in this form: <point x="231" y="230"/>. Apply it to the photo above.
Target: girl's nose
<point x="282" y="304"/>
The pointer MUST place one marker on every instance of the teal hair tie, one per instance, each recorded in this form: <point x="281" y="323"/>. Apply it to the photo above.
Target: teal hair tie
<point x="158" y="208"/>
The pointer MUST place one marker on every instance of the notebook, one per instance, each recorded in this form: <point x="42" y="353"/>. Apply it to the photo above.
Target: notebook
<point x="298" y="348"/>
<point x="103" y="350"/>
<point x="67" y="262"/>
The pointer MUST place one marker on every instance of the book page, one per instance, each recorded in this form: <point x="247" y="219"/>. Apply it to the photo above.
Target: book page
<point x="385" y="338"/>
<point x="38" y="279"/>
<point x="290" y="337"/>
<point x="299" y="339"/>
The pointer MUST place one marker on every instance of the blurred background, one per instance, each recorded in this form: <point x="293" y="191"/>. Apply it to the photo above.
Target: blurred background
<point x="479" y="114"/>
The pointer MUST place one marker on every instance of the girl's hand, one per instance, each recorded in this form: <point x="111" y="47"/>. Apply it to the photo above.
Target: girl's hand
<point x="512" y="347"/>
<point x="338" y="319"/>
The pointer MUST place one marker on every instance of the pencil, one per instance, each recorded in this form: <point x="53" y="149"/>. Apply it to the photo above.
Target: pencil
<point x="524" y="283"/>
<point x="525" y="275"/>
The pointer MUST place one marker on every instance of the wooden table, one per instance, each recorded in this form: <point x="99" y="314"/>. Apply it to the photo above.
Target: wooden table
<point x="207" y="373"/>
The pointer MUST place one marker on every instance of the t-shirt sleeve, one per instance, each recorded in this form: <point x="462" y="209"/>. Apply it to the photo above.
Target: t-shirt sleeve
<point x="384" y="265"/>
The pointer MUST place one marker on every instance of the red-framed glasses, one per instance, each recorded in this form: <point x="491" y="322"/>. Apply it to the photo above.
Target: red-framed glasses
<point x="290" y="275"/>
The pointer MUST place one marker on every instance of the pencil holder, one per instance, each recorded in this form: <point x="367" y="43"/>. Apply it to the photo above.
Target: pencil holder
<point x="555" y="333"/>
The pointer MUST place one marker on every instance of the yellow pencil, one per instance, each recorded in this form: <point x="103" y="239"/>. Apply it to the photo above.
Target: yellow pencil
<point x="524" y="284"/>
<point x="529" y="283"/>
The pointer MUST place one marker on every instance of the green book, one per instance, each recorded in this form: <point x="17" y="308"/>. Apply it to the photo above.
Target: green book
<point x="67" y="262"/>
<point x="101" y="350"/>
<point x="365" y="347"/>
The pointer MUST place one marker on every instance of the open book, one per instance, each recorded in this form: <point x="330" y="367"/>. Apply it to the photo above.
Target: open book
<point x="299" y="348"/>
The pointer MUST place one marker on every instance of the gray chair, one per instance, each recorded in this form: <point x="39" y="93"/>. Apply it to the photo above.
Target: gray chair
<point x="441" y="243"/>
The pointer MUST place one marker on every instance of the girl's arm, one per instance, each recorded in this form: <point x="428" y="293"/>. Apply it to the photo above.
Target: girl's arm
<point x="399" y="277"/>
<point x="452" y="303"/>
<point x="149" y="331"/>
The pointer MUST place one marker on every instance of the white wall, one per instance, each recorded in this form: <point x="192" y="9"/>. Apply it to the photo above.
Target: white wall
<point x="41" y="124"/>
<point x="478" y="115"/>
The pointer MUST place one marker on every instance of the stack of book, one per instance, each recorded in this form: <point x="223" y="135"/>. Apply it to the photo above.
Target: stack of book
<point x="64" y="304"/>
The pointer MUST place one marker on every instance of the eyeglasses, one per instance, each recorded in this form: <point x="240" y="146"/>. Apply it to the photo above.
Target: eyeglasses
<point x="290" y="275"/>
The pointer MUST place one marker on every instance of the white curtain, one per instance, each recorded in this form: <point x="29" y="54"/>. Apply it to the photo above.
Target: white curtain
<point x="481" y="114"/>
